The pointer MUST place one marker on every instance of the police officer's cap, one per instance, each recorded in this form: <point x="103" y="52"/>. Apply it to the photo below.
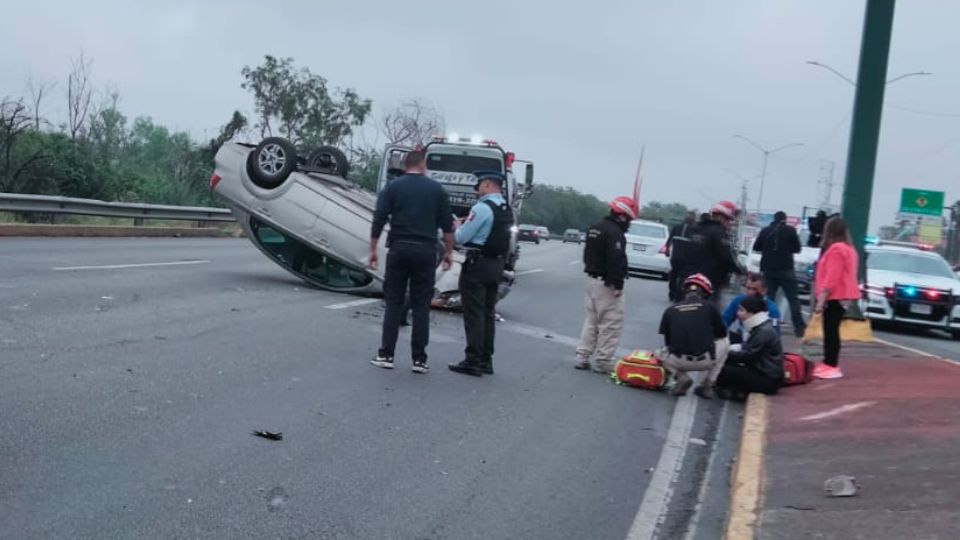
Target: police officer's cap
<point x="496" y="176"/>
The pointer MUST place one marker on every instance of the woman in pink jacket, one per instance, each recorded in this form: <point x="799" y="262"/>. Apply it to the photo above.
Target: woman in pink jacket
<point x="835" y="285"/>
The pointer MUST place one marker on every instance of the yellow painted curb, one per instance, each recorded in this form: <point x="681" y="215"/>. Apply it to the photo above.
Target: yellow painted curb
<point x="747" y="488"/>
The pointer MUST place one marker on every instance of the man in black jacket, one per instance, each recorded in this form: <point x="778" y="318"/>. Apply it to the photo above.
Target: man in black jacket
<point x="711" y="252"/>
<point x="695" y="338"/>
<point x="605" y="263"/>
<point x="417" y="209"/>
<point x="778" y="242"/>
<point x="757" y="364"/>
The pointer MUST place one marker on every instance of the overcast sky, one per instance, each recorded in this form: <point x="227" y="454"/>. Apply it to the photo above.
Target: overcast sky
<point x="574" y="86"/>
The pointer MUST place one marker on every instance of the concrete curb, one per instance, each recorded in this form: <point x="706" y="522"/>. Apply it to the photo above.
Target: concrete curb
<point x="33" y="230"/>
<point x="746" y="491"/>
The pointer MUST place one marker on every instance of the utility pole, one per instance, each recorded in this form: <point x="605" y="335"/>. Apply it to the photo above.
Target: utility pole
<point x="867" y="113"/>
<point x="826" y="172"/>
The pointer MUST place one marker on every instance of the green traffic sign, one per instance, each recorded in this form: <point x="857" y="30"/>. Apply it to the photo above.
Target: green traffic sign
<point x="921" y="202"/>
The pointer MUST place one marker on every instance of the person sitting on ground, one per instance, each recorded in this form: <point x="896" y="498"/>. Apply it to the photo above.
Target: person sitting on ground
<point x="754" y="286"/>
<point x="757" y="364"/>
<point x="695" y="337"/>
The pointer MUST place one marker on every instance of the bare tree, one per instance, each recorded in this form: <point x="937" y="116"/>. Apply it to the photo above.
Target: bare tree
<point x="412" y="123"/>
<point x="15" y="120"/>
<point x="79" y="95"/>
<point x="37" y="93"/>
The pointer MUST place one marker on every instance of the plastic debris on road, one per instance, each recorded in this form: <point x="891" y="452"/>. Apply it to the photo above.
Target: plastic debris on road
<point x="841" y="486"/>
<point x="269" y="435"/>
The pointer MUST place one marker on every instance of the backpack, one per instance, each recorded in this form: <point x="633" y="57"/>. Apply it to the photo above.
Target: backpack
<point x="641" y="369"/>
<point x="796" y="369"/>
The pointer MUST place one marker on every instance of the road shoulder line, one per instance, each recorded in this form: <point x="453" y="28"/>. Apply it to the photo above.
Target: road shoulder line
<point x="659" y="492"/>
<point x="746" y="490"/>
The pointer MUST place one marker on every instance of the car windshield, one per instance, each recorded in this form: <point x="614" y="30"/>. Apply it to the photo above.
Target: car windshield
<point x="305" y="261"/>
<point x="527" y="228"/>
<point x="461" y="163"/>
<point x="905" y="262"/>
<point x="650" y="231"/>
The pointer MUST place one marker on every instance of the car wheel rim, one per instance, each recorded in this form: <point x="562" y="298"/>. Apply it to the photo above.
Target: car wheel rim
<point x="272" y="159"/>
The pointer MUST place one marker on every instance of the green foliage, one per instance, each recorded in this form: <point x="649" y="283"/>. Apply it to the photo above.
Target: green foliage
<point x="560" y="208"/>
<point x="667" y="213"/>
<point x="297" y="104"/>
<point x="365" y="167"/>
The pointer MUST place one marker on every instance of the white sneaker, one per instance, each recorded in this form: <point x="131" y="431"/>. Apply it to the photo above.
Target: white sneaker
<point x="385" y="362"/>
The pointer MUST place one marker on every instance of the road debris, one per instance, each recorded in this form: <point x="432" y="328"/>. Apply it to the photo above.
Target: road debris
<point x="841" y="486"/>
<point x="269" y="435"/>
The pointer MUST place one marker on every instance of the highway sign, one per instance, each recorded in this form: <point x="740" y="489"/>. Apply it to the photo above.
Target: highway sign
<point x="921" y="202"/>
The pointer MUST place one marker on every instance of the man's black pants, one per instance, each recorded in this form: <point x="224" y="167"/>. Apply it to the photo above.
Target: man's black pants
<point x="479" y="282"/>
<point x="410" y="264"/>
<point x="787" y="280"/>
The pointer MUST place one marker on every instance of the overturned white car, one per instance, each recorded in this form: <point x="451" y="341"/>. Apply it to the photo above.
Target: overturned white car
<point x="305" y="215"/>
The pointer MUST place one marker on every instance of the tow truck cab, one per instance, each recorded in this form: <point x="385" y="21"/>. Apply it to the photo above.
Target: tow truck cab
<point x="452" y="161"/>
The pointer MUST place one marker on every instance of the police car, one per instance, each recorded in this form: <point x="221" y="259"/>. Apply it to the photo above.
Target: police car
<point x="306" y="216"/>
<point x="910" y="286"/>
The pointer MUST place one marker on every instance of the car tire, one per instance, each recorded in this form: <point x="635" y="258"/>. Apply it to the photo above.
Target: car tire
<point x="537" y="242"/>
<point x="329" y="160"/>
<point x="955" y="334"/>
<point x="271" y="162"/>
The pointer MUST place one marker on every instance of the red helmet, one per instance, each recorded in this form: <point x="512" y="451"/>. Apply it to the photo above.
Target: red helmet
<point x="725" y="208"/>
<point x="701" y="281"/>
<point x="624" y="205"/>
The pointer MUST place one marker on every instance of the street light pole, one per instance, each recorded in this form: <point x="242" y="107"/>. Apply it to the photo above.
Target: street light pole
<point x="766" y="155"/>
<point x="852" y="83"/>
<point x="867" y="112"/>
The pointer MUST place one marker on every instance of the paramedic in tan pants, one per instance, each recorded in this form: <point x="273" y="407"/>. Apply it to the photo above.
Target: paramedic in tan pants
<point x="605" y="263"/>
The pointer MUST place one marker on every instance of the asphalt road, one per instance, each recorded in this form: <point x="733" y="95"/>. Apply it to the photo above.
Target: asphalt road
<point x="133" y="371"/>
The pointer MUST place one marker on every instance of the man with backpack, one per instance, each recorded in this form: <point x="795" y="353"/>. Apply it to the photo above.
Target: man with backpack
<point x="778" y="242"/>
<point x="695" y="338"/>
<point x="678" y="247"/>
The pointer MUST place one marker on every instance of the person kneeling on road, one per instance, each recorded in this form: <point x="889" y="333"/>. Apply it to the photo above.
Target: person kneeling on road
<point x="757" y="365"/>
<point x="695" y="337"/>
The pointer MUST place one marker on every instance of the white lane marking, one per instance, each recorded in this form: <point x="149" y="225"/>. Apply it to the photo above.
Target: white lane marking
<point x="120" y="266"/>
<point x="850" y="407"/>
<point x="353" y="303"/>
<point x="571" y="263"/>
<point x="915" y="351"/>
<point x="525" y="272"/>
<point x="653" y="509"/>
<point x="695" y="519"/>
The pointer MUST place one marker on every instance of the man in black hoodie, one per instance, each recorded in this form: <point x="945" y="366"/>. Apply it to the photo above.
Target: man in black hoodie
<point x="605" y="263"/>
<point x="778" y="242"/>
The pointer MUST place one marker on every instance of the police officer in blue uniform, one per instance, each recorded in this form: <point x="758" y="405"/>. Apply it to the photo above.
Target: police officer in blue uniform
<point x="485" y="236"/>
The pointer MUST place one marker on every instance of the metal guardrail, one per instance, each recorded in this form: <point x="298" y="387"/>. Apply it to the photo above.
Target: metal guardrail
<point x="15" y="202"/>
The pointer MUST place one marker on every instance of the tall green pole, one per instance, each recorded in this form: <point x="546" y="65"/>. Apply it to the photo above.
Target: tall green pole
<point x="867" y="110"/>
